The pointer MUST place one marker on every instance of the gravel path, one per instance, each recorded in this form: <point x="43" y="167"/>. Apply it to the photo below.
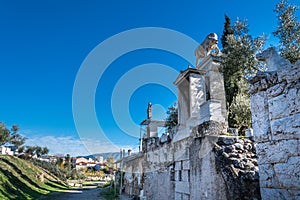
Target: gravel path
<point x="88" y="193"/>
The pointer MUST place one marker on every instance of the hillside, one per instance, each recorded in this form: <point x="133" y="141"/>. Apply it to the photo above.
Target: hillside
<point x="20" y="179"/>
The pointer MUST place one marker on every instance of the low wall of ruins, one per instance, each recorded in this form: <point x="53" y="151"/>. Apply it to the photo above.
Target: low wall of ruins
<point x="197" y="167"/>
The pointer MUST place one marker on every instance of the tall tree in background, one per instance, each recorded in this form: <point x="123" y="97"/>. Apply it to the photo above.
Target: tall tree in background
<point x="227" y="31"/>
<point x="4" y="134"/>
<point x="12" y="136"/>
<point x="15" y="138"/>
<point x="288" y="31"/>
<point x="238" y="62"/>
<point x="172" y="118"/>
<point x="45" y="151"/>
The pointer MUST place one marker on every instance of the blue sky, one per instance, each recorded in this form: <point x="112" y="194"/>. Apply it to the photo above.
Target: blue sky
<point x="43" y="45"/>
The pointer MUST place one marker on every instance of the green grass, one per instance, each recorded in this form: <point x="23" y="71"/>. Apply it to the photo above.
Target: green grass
<point x="20" y="179"/>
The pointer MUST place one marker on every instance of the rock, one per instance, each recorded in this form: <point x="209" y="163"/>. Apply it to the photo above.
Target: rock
<point x="234" y="155"/>
<point x="238" y="146"/>
<point x="226" y="140"/>
<point x="248" y="146"/>
<point x="228" y="149"/>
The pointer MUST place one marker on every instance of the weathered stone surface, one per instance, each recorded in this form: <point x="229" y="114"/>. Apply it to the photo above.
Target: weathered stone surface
<point x="276" y="151"/>
<point x="285" y="104"/>
<point x="278" y="107"/>
<point x="278" y="134"/>
<point x="260" y="117"/>
<point x="226" y="140"/>
<point x="209" y="128"/>
<point x="185" y="197"/>
<point x="186" y="164"/>
<point x="182" y="187"/>
<point x="290" y="74"/>
<point x="289" y="173"/>
<point x="211" y="111"/>
<point x="267" y="176"/>
<point x="178" y="165"/>
<point x="185" y="175"/>
<point x="237" y="161"/>
<point x="276" y="90"/>
<point x="262" y="81"/>
<point x="286" y="128"/>
<point x="178" y="196"/>
<point x="181" y="150"/>
<point x="158" y="185"/>
<point x="270" y="194"/>
<point x="177" y="172"/>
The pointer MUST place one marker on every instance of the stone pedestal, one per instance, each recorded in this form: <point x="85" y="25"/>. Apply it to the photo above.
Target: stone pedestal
<point x="201" y="97"/>
<point x="214" y="82"/>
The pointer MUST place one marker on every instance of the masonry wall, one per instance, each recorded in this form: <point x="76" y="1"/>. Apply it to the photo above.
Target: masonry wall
<point x="201" y="166"/>
<point x="196" y="161"/>
<point x="275" y="105"/>
<point x="206" y="179"/>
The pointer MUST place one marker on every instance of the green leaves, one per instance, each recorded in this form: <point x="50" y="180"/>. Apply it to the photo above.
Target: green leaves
<point x="288" y="31"/>
<point x="4" y="134"/>
<point x="238" y="63"/>
<point x="12" y="137"/>
<point x="172" y="118"/>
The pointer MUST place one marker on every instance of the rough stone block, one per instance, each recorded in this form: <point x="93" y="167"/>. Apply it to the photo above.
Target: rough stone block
<point x="182" y="187"/>
<point x="290" y="74"/>
<point x="276" y="90"/>
<point x="260" y="117"/>
<point x="289" y="173"/>
<point x="276" y="151"/>
<point x="286" y="128"/>
<point x="270" y="194"/>
<point x="178" y="196"/>
<point x="178" y="165"/>
<point x="177" y="175"/>
<point x="186" y="164"/>
<point x="278" y="107"/>
<point x="181" y="154"/>
<point x="185" y="175"/>
<point x="185" y="197"/>
<point x="267" y="176"/>
<point x="293" y="97"/>
<point x="211" y="111"/>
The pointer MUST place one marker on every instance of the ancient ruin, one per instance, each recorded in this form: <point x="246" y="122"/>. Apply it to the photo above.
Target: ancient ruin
<point x="199" y="159"/>
<point x="275" y="105"/>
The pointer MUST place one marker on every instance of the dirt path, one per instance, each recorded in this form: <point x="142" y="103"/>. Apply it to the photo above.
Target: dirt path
<point x="87" y="193"/>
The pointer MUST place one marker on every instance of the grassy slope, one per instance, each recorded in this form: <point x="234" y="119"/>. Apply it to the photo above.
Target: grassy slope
<point x="20" y="179"/>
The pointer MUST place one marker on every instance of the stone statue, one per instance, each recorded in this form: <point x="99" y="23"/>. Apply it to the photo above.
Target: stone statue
<point x="204" y="49"/>
<point x="149" y="111"/>
<point x="271" y="58"/>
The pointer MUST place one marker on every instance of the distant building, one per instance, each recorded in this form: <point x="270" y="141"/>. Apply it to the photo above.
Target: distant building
<point x="100" y="159"/>
<point x="4" y="150"/>
<point x="83" y="162"/>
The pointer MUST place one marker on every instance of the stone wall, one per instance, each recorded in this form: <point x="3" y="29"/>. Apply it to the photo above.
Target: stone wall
<point x="197" y="167"/>
<point x="275" y="105"/>
<point x="196" y="161"/>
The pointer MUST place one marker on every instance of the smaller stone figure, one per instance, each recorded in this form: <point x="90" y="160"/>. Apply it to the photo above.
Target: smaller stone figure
<point x="210" y="43"/>
<point x="149" y="111"/>
<point x="271" y="58"/>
